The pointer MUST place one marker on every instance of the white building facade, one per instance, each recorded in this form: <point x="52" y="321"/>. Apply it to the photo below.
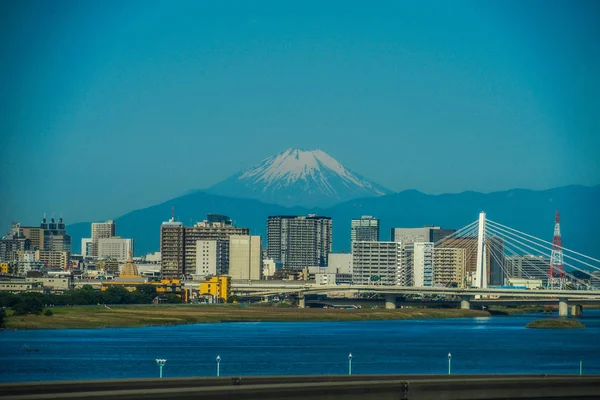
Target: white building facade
<point x="115" y="247"/>
<point x="245" y="257"/>
<point x="423" y="264"/>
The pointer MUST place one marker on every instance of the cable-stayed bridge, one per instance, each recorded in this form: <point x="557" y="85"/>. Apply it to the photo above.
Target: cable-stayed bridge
<point x="494" y="253"/>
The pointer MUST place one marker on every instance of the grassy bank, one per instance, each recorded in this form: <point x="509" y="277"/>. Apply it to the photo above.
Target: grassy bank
<point x="132" y="316"/>
<point x="503" y="310"/>
<point x="555" y="324"/>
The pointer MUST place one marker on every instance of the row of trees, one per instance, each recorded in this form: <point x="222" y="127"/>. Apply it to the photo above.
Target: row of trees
<point x="34" y="303"/>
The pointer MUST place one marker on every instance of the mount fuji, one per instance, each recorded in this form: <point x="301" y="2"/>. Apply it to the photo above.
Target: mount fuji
<point x="299" y="178"/>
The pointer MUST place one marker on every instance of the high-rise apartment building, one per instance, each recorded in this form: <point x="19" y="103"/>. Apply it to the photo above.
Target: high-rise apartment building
<point x="380" y="263"/>
<point x="365" y="229"/>
<point x="115" y="247"/>
<point x="179" y="242"/>
<point x="494" y="256"/>
<point x="172" y="249"/>
<point x="102" y="230"/>
<point x="449" y="266"/>
<point x="423" y="264"/>
<point x="299" y="242"/>
<point x="245" y="257"/>
<point x="419" y="235"/>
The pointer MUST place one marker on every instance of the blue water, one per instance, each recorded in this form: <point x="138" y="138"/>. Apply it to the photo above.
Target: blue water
<point x="481" y="345"/>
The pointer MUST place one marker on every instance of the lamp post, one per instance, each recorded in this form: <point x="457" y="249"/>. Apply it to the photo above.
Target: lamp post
<point x="218" y="365"/>
<point x="350" y="364"/>
<point x="449" y="363"/>
<point x="161" y="363"/>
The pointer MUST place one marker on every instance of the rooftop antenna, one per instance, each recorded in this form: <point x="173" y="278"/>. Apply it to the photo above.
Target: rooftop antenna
<point x="173" y="213"/>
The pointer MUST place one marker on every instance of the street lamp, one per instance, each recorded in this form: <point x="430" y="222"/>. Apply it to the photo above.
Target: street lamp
<point x="161" y="363"/>
<point x="350" y="364"/>
<point x="218" y="365"/>
<point x="449" y="362"/>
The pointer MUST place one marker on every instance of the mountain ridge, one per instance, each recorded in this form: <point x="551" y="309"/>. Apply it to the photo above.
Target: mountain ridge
<point x="529" y="211"/>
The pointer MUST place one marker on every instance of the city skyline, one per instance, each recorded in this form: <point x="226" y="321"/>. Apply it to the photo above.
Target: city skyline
<point x="503" y="93"/>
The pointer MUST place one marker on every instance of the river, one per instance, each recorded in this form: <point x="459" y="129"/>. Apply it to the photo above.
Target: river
<point x="478" y="345"/>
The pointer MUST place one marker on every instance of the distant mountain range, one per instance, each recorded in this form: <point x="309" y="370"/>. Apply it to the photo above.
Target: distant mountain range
<point x="526" y="210"/>
<point x="299" y="178"/>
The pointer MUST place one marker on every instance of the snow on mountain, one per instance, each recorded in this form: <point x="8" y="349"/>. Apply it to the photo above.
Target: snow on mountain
<point x="298" y="177"/>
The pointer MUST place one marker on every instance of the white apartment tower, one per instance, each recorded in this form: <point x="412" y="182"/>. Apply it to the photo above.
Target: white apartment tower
<point x="379" y="263"/>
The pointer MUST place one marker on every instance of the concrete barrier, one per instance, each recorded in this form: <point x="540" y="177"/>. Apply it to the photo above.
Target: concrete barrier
<point x="380" y="387"/>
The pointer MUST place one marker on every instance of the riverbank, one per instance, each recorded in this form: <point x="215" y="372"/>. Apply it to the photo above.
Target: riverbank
<point x="153" y="315"/>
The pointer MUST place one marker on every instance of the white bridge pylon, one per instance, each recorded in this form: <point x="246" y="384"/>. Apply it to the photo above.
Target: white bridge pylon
<point x="481" y="273"/>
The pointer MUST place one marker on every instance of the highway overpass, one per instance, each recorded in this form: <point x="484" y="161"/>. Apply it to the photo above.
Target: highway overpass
<point x="565" y="298"/>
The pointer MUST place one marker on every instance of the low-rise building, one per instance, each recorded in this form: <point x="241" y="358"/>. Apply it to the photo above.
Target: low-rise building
<point x="325" y="278"/>
<point x="20" y="286"/>
<point x="53" y="283"/>
<point x="219" y="287"/>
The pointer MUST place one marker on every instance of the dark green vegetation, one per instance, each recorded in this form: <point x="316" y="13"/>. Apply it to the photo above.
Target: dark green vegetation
<point x="503" y="310"/>
<point x="555" y="324"/>
<point x="101" y="316"/>
<point x="34" y="303"/>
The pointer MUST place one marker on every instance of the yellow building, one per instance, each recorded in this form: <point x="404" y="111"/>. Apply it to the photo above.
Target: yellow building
<point x="3" y="268"/>
<point x="217" y="286"/>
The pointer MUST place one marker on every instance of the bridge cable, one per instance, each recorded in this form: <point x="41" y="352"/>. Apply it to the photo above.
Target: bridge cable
<point x="542" y="240"/>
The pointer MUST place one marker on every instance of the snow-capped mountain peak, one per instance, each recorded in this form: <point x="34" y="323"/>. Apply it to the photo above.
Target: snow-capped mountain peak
<point x="299" y="177"/>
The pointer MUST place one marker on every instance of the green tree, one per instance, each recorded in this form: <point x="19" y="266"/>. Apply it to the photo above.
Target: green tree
<point x="173" y="299"/>
<point x="48" y="312"/>
<point x="28" y="305"/>
<point x="2" y="316"/>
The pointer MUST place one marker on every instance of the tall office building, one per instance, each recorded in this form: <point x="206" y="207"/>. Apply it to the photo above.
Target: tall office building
<point x="102" y="230"/>
<point x="365" y="229"/>
<point x="115" y="247"/>
<point x="55" y="236"/>
<point x="380" y="263"/>
<point x="449" y="266"/>
<point x="180" y="243"/>
<point x="423" y="264"/>
<point x="299" y="242"/>
<point x="419" y="235"/>
<point x="245" y="257"/>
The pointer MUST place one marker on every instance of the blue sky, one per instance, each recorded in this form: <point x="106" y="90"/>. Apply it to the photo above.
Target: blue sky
<point x="110" y="106"/>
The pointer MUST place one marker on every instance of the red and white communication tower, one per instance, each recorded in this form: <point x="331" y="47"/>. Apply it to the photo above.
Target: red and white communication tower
<point x="556" y="273"/>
